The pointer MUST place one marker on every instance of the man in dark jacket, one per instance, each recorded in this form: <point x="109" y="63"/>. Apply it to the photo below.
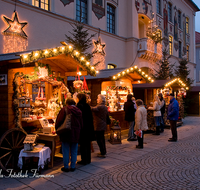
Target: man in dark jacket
<point x="172" y="115"/>
<point x="129" y="109"/>
<point x="70" y="138"/>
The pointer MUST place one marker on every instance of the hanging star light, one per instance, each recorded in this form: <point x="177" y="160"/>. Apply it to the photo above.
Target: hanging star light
<point x="99" y="47"/>
<point x="14" y="26"/>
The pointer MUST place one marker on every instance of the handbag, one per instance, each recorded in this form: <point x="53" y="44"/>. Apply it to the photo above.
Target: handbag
<point x="66" y="126"/>
<point x="138" y="133"/>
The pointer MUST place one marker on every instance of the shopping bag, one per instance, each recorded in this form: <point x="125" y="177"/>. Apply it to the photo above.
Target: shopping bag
<point x="138" y="133"/>
<point x="66" y="126"/>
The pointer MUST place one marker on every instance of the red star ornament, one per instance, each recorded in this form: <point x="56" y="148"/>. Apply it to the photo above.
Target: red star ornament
<point x="14" y="26"/>
<point x="99" y="47"/>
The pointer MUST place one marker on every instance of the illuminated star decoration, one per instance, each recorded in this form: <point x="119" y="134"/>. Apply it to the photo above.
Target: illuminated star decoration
<point x="99" y="47"/>
<point x="15" y="27"/>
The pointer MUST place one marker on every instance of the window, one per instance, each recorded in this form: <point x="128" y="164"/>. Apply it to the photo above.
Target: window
<point x="170" y="45"/>
<point x="187" y="52"/>
<point x="170" y="12"/>
<point x="110" y="19"/>
<point x="158" y="6"/>
<point x="111" y="66"/>
<point x="99" y="2"/>
<point x="179" y="49"/>
<point x="81" y="11"/>
<point x="199" y="76"/>
<point x="179" y="19"/>
<point x="199" y="54"/>
<point x="43" y="4"/>
<point x="187" y="25"/>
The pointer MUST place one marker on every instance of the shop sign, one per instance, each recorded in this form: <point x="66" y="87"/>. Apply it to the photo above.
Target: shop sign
<point x="66" y="2"/>
<point x="98" y="10"/>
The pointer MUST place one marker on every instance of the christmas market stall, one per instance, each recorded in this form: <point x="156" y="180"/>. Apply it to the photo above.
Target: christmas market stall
<point x="33" y="89"/>
<point x="115" y="85"/>
<point x="147" y="91"/>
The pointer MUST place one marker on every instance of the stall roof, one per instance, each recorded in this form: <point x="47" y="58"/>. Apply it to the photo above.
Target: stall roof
<point x="64" y="57"/>
<point x="109" y="73"/>
<point x="161" y="83"/>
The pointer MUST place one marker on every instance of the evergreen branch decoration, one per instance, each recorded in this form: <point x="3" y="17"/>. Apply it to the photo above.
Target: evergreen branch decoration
<point x="131" y="70"/>
<point x="47" y="53"/>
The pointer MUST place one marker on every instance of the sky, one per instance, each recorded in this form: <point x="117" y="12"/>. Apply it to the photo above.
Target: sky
<point x="197" y="17"/>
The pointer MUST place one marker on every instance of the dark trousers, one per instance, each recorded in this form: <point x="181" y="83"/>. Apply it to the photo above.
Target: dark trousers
<point x="141" y="140"/>
<point x="101" y="141"/>
<point x="85" y="149"/>
<point x="173" y="129"/>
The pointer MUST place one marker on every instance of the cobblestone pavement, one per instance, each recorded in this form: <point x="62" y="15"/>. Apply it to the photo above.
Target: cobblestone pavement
<point x="160" y="165"/>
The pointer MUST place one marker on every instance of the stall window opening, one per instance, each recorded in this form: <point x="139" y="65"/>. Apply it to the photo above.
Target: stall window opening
<point x="81" y="11"/>
<point x="111" y="19"/>
<point x="187" y="50"/>
<point x="187" y="25"/>
<point x="43" y="4"/>
<point x="111" y="66"/>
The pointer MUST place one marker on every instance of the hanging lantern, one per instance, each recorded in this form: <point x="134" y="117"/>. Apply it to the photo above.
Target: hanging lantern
<point x="115" y="135"/>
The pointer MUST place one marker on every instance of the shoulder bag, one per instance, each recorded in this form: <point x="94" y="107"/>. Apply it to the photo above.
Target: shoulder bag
<point x="66" y="126"/>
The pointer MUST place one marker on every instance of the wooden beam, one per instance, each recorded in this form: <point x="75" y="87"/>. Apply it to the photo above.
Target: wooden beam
<point x="75" y="73"/>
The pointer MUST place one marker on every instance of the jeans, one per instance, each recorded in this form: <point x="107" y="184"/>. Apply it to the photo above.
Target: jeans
<point x="131" y="134"/>
<point x="66" y="147"/>
<point x="157" y="120"/>
<point x="162" y="124"/>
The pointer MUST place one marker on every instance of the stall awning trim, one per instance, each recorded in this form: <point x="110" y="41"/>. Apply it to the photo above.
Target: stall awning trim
<point x="53" y="52"/>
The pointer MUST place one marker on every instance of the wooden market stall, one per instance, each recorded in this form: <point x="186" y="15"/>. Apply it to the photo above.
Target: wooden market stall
<point x="147" y="91"/>
<point x="115" y="85"/>
<point x="33" y="89"/>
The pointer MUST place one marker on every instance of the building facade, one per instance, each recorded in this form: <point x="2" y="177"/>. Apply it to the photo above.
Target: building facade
<point x="122" y="25"/>
<point x="197" y="40"/>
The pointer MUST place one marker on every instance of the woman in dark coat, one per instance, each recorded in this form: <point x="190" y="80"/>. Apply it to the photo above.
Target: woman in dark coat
<point x="100" y="113"/>
<point x="87" y="132"/>
<point x="70" y="138"/>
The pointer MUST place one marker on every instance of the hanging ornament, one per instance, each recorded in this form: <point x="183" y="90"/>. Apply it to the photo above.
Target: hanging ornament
<point x="99" y="47"/>
<point x="78" y="83"/>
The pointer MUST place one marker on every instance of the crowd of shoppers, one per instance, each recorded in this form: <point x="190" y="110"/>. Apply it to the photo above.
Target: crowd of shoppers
<point x="89" y="123"/>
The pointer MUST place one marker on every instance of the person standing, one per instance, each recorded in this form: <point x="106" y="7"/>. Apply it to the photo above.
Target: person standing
<point x="100" y="114"/>
<point x="172" y="115"/>
<point x="129" y="109"/>
<point x="162" y="105"/>
<point x="70" y="138"/>
<point x="87" y="132"/>
<point x="156" y="113"/>
<point x="140" y="121"/>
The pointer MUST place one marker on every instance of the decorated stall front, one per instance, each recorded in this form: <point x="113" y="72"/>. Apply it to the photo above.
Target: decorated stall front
<point x="35" y="90"/>
<point x="115" y="85"/>
<point x="147" y="91"/>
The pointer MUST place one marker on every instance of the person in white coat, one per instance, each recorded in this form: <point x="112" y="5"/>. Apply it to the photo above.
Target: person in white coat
<point x="157" y="114"/>
<point x="140" y="121"/>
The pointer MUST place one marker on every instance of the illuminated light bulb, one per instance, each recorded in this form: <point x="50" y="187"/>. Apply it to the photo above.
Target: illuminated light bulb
<point x="149" y="78"/>
<point x="186" y="88"/>
<point x="152" y="80"/>
<point x="97" y="71"/>
<point x="55" y="50"/>
<point x="36" y="54"/>
<point x="127" y="70"/>
<point x="77" y="53"/>
<point x="92" y="67"/>
<point x="143" y="73"/>
<point x="82" y="58"/>
<point x="80" y="73"/>
<point x="63" y="48"/>
<point x="123" y="72"/>
<point x="139" y="70"/>
<point x="114" y="77"/>
<point x="46" y="52"/>
<point x="70" y="47"/>
<point x="25" y="56"/>
<point x="87" y="63"/>
<point x="146" y="75"/>
<point x="119" y="74"/>
<point x="138" y="81"/>
<point x="131" y="68"/>
<point x="136" y="67"/>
